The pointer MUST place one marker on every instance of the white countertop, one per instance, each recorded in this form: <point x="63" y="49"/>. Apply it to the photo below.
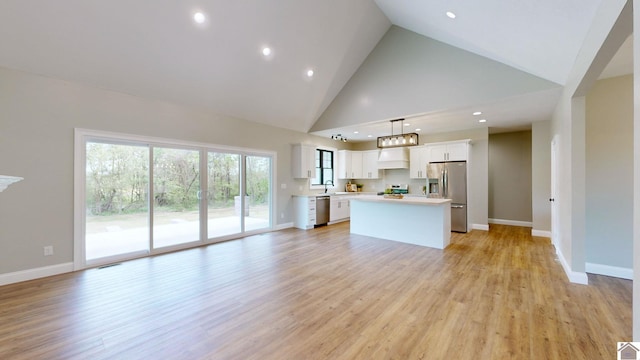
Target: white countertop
<point x="409" y="200"/>
<point x="339" y="193"/>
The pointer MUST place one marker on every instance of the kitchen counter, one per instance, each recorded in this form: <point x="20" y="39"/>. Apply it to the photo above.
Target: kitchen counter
<point x="407" y="200"/>
<point x="339" y="193"/>
<point x="415" y="220"/>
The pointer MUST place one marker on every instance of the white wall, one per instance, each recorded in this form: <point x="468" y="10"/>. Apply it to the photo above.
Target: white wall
<point x="636" y="174"/>
<point x="608" y="31"/>
<point x="609" y="175"/>
<point x="37" y="124"/>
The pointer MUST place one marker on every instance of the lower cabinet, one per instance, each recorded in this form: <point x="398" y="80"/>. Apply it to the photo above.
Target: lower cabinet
<point x="304" y="212"/>
<point x="304" y="208"/>
<point x="339" y="209"/>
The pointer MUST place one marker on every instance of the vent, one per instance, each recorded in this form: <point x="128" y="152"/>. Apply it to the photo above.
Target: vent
<point x="394" y="158"/>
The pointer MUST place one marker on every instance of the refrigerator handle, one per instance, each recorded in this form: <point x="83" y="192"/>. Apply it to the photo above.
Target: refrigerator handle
<point x="445" y="183"/>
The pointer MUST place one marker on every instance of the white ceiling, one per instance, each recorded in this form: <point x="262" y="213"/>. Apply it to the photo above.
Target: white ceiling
<point x="154" y="49"/>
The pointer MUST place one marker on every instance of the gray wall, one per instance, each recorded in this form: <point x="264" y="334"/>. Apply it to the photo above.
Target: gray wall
<point x="541" y="175"/>
<point x="609" y="172"/>
<point x="408" y="74"/>
<point x="37" y="124"/>
<point x="510" y="176"/>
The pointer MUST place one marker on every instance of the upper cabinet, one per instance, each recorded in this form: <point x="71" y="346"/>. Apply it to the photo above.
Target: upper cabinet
<point x="303" y="161"/>
<point x="358" y="164"/>
<point x="418" y="160"/>
<point x="370" y="164"/>
<point x="344" y="164"/>
<point x="451" y="151"/>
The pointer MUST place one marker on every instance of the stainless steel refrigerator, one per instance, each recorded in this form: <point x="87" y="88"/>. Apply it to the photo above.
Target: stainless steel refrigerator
<point x="448" y="180"/>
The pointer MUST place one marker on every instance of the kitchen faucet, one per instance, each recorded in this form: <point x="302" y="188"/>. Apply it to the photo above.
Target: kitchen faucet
<point x="325" y="185"/>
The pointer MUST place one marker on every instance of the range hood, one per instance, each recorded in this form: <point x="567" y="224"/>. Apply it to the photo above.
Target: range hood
<point x="394" y="158"/>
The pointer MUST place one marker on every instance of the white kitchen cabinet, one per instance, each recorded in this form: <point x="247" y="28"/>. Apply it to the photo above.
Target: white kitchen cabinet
<point x="418" y="160"/>
<point x="452" y="151"/>
<point x="457" y="151"/>
<point x="304" y="212"/>
<point x="339" y="209"/>
<point x="370" y="164"/>
<point x="358" y="164"/>
<point x="349" y="164"/>
<point x="303" y="161"/>
<point x="344" y="164"/>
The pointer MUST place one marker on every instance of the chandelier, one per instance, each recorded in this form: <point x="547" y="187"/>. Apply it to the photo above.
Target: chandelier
<point x="389" y="141"/>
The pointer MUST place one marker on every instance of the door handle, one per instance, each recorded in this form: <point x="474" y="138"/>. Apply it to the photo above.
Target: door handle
<point x="457" y="206"/>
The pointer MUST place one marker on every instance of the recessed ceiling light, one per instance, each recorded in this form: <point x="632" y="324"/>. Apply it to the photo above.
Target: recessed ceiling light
<point x="418" y="129"/>
<point x="477" y="113"/>
<point x="199" y="18"/>
<point x="310" y="73"/>
<point x="482" y="120"/>
<point x="407" y="124"/>
<point x="451" y="15"/>
<point x="356" y="132"/>
<point x="369" y="136"/>
<point x="266" y="51"/>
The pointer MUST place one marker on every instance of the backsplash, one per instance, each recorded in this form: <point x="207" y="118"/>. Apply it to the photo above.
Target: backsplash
<point x="392" y="176"/>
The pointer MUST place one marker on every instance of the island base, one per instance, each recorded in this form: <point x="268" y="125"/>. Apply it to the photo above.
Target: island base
<point x="425" y="225"/>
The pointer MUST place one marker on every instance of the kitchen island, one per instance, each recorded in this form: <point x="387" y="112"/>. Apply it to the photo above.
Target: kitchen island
<point x="414" y="220"/>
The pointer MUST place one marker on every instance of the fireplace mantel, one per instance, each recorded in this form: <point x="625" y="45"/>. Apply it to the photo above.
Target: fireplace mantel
<point x="5" y="181"/>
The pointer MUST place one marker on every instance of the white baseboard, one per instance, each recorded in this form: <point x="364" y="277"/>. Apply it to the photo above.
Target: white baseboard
<point x="483" y="227"/>
<point x="283" y="226"/>
<point x="615" y="271"/>
<point x="541" y="233"/>
<point x="511" y="222"/>
<point x="338" y="221"/>
<point x="574" y="276"/>
<point x="36" y="273"/>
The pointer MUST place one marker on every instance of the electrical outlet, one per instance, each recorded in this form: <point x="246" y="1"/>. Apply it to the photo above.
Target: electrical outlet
<point x="283" y="186"/>
<point x="281" y="215"/>
<point x="48" y="250"/>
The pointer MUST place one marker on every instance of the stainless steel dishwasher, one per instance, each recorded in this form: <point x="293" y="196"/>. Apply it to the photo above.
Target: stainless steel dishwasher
<point x="323" y="204"/>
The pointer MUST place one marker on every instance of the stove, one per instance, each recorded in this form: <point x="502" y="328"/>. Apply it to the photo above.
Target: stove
<point x="399" y="188"/>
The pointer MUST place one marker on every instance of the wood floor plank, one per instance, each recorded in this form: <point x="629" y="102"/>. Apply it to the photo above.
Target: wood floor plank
<point x="323" y="294"/>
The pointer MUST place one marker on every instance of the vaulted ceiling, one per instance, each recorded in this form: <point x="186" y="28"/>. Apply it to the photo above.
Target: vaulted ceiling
<point x="156" y="49"/>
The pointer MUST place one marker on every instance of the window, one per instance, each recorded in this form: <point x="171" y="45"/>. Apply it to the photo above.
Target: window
<point x="324" y="167"/>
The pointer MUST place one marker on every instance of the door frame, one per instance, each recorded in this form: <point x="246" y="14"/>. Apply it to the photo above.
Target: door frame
<point x="554" y="196"/>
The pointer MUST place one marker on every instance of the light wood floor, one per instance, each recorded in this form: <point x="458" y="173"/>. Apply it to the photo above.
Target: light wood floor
<point x="323" y="294"/>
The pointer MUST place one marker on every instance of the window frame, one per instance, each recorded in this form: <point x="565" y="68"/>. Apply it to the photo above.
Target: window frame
<point x="334" y="152"/>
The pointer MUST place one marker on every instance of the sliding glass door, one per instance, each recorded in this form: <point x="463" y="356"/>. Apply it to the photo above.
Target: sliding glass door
<point x="176" y="189"/>
<point x="258" y="189"/>
<point x="116" y="200"/>
<point x="224" y="205"/>
<point x="144" y="196"/>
